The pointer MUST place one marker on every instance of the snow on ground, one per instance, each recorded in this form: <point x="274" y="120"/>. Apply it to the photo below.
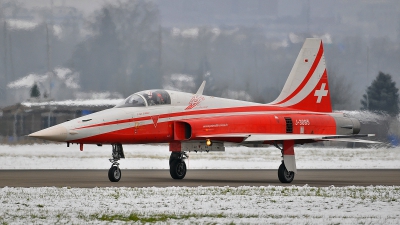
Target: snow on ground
<point x="58" y="156"/>
<point x="204" y="205"/>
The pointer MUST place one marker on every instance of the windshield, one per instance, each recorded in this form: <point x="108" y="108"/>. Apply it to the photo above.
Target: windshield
<point x="132" y="101"/>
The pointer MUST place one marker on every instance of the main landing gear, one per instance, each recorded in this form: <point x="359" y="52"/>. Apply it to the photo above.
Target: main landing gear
<point x="284" y="175"/>
<point x="114" y="173"/>
<point x="177" y="165"/>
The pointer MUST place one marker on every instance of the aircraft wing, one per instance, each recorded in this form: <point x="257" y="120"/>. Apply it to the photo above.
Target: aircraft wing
<point x="282" y="137"/>
<point x="352" y="140"/>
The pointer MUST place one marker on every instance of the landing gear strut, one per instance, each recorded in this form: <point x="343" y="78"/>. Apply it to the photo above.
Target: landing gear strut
<point x="177" y="165"/>
<point x="284" y="175"/>
<point x="114" y="173"/>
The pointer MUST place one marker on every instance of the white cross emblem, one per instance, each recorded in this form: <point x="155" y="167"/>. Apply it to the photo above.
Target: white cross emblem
<point x="321" y="93"/>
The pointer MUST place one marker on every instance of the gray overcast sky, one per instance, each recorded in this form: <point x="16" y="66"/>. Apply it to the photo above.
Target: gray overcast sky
<point x="285" y="7"/>
<point x="87" y="6"/>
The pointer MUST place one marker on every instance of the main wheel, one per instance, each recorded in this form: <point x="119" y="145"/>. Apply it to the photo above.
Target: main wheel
<point x="114" y="174"/>
<point x="284" y="175"/>
<point x="177" y="169"/>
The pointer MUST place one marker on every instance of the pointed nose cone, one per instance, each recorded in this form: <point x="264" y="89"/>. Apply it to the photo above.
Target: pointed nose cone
<point x="55" y="133"/>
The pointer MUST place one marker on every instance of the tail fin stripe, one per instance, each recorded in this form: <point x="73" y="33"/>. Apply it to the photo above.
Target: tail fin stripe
<point x="307" y="78"/>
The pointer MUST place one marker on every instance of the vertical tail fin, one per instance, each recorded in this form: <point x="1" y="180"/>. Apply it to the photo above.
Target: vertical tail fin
<point x="307" y="86"/>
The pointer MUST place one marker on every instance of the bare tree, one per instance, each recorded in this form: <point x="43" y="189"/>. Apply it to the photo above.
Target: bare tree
<point x="341" y="91"/>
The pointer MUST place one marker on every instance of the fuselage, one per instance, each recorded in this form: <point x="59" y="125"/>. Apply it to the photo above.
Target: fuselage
<point x="159" y="116"/>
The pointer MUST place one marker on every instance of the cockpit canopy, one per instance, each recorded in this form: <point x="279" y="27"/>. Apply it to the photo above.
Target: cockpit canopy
<point x="146" y="98"/>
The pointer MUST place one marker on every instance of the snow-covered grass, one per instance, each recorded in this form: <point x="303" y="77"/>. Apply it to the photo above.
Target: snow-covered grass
<point x="257" y="205"/>
<point x="205" y="205"/>
<point x="58" y="156"/>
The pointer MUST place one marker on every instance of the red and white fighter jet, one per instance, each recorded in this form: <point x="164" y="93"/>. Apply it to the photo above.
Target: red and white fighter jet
<point x="301" y="114"/>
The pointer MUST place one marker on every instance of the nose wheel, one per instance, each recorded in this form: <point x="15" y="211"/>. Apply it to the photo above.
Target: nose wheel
<point x="114" y="173"/>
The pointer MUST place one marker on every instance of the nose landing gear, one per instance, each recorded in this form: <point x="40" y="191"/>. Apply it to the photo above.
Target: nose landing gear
<point x="114" y="173"/>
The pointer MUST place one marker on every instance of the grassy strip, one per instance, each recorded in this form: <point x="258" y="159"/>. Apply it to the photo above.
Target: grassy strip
<point x="135" y="217"/>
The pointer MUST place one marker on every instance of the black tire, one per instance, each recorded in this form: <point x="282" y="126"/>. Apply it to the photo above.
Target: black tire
<point x="177" y="169"/>
<point x="284" y="175"/>
<point x="114" y="174"/>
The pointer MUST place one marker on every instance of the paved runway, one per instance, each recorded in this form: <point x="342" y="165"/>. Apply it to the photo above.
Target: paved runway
<point x="194" y="178"/>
